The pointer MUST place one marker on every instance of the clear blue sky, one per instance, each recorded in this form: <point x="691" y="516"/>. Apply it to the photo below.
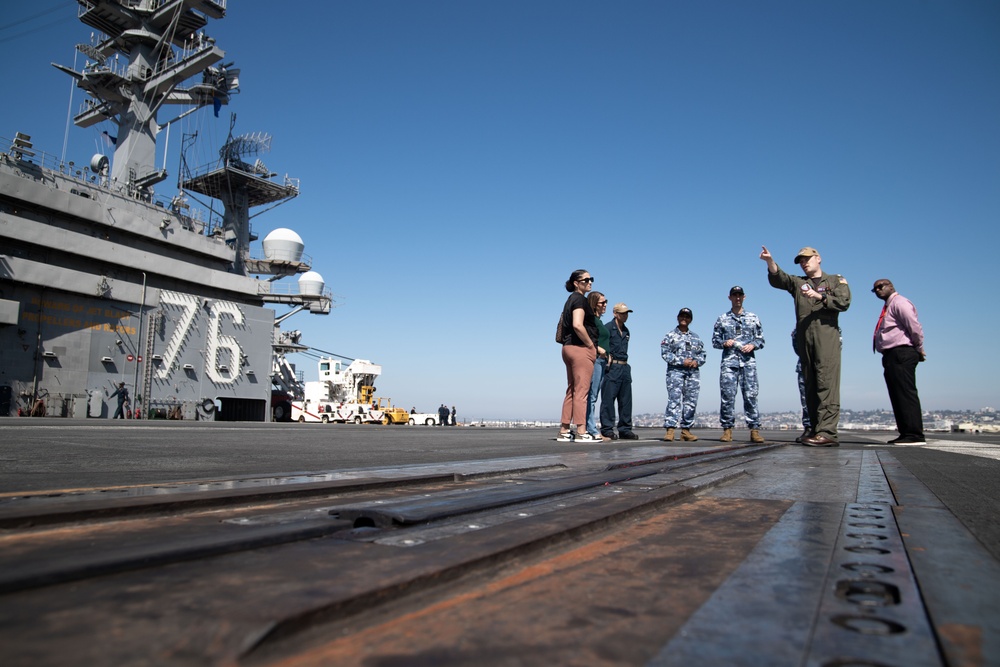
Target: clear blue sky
<point x="459" y="159"/>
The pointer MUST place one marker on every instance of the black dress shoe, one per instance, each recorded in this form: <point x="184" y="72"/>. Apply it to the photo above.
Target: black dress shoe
<point x="805" y="434"/>
<point x="820" y="441"/>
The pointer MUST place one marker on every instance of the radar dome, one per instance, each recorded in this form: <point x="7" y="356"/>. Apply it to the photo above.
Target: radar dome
<point x="311" y="283"/>
<point x="284" y="245"/>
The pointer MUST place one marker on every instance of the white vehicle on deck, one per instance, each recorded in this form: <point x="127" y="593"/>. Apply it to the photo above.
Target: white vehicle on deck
<point x="306" y="412"/>
<point x="424" y="418"/>
<point x="357" y="413"/>
<point x="346" y="395"/>
<point x="342" y="394"/>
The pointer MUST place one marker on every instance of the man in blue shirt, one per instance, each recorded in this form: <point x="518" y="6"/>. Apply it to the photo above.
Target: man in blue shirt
<point x="617" y="384"/>
<point x="123" y="403"/>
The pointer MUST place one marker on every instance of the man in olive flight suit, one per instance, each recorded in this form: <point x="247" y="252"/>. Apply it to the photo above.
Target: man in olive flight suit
<point x="819" y="299"/>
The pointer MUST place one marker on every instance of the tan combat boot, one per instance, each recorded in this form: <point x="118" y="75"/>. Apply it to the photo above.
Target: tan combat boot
<point x="727" y="435"/>
<point x="688" y="436"/>
<point x="669" y="435"/>
<point x="755" y="436"/>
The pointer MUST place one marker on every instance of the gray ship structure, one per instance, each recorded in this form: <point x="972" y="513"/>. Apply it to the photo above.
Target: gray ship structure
<point x="104" y="281"/>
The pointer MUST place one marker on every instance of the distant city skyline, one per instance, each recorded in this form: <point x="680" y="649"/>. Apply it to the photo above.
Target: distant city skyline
<point x="701" y="417"/>
<point x="792" y="418"/>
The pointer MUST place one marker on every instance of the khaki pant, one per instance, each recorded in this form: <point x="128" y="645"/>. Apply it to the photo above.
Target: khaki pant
<point x="818" y="344"/>
<point x="579" y="371"/>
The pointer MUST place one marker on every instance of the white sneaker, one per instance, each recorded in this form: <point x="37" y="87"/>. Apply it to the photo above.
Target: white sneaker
<point x="565" y="437"/>
<point x="586" y="437"/>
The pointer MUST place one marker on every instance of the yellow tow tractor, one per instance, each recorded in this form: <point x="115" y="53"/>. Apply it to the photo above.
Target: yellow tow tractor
<point x="391" y="415"/>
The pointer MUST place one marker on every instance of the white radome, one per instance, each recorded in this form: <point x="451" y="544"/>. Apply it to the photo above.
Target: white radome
<point x="283" y="244"/>
<point x="311" y="282"/>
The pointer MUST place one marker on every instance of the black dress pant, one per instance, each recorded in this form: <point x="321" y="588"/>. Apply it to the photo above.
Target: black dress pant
<point x="899" y="366"/>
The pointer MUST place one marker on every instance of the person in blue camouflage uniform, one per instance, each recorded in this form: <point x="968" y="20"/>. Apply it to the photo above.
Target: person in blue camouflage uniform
<point x="806" y="424"/>
<point x="738" y="333"/>
<point x="684" y="353"/>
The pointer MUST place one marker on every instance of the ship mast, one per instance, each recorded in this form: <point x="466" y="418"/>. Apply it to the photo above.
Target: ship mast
<point x="241" y="185"/>
<point x="164" y="45"/>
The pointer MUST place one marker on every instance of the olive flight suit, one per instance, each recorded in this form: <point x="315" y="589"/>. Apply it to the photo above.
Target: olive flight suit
<point x="818" y="343"/>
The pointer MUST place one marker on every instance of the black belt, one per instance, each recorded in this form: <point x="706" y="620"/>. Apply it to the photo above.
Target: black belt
<point x="618" y="361"/>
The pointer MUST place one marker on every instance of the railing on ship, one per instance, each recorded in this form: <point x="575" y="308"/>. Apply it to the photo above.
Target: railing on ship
<point x="281" y="257"/>
<point x="198" y="42"/>
<point x="87" y="5"/>
<point x="257" y="171"/>
<point x="290" y="289"/>
<point x="120" y="68"/>
<point x="86" y="183"/>
<point x="292" y="293"/>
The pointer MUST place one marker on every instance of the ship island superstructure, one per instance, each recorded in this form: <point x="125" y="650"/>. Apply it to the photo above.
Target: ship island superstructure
<point x="103" y="281"/>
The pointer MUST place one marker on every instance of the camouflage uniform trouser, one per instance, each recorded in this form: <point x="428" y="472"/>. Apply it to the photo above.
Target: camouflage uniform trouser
<point x="683" y="387"/>
<point x="745" y="379"/>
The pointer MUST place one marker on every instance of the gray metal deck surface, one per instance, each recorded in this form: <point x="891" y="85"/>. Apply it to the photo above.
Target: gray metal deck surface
<point x="298" y="544"/>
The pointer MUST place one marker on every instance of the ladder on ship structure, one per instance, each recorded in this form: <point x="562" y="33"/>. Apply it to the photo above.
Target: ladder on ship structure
<point x="147" y="367"/>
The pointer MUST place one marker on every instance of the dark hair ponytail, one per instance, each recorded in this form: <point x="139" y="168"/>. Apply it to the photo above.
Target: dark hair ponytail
<point x="573" y="277"/>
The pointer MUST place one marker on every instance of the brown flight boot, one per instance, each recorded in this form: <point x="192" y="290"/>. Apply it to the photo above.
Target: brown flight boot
<point x="669" y="435"/>
<point x="688" y="436"/>
<point x="727" y="435"/>
<point x="755" y="436"/>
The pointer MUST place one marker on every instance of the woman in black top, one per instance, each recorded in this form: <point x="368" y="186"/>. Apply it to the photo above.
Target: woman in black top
<point x="579" y="351"/>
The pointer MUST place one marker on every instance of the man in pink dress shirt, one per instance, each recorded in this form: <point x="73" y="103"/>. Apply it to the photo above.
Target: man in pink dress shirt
<point x="900" y="339"/>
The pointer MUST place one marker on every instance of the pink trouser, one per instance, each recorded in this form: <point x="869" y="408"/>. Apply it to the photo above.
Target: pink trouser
<point x="579" y="370"/>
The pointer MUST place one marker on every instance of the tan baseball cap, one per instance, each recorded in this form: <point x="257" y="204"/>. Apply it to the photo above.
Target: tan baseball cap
<point x="806" y="252"/>
<point x="621" y="308"/>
